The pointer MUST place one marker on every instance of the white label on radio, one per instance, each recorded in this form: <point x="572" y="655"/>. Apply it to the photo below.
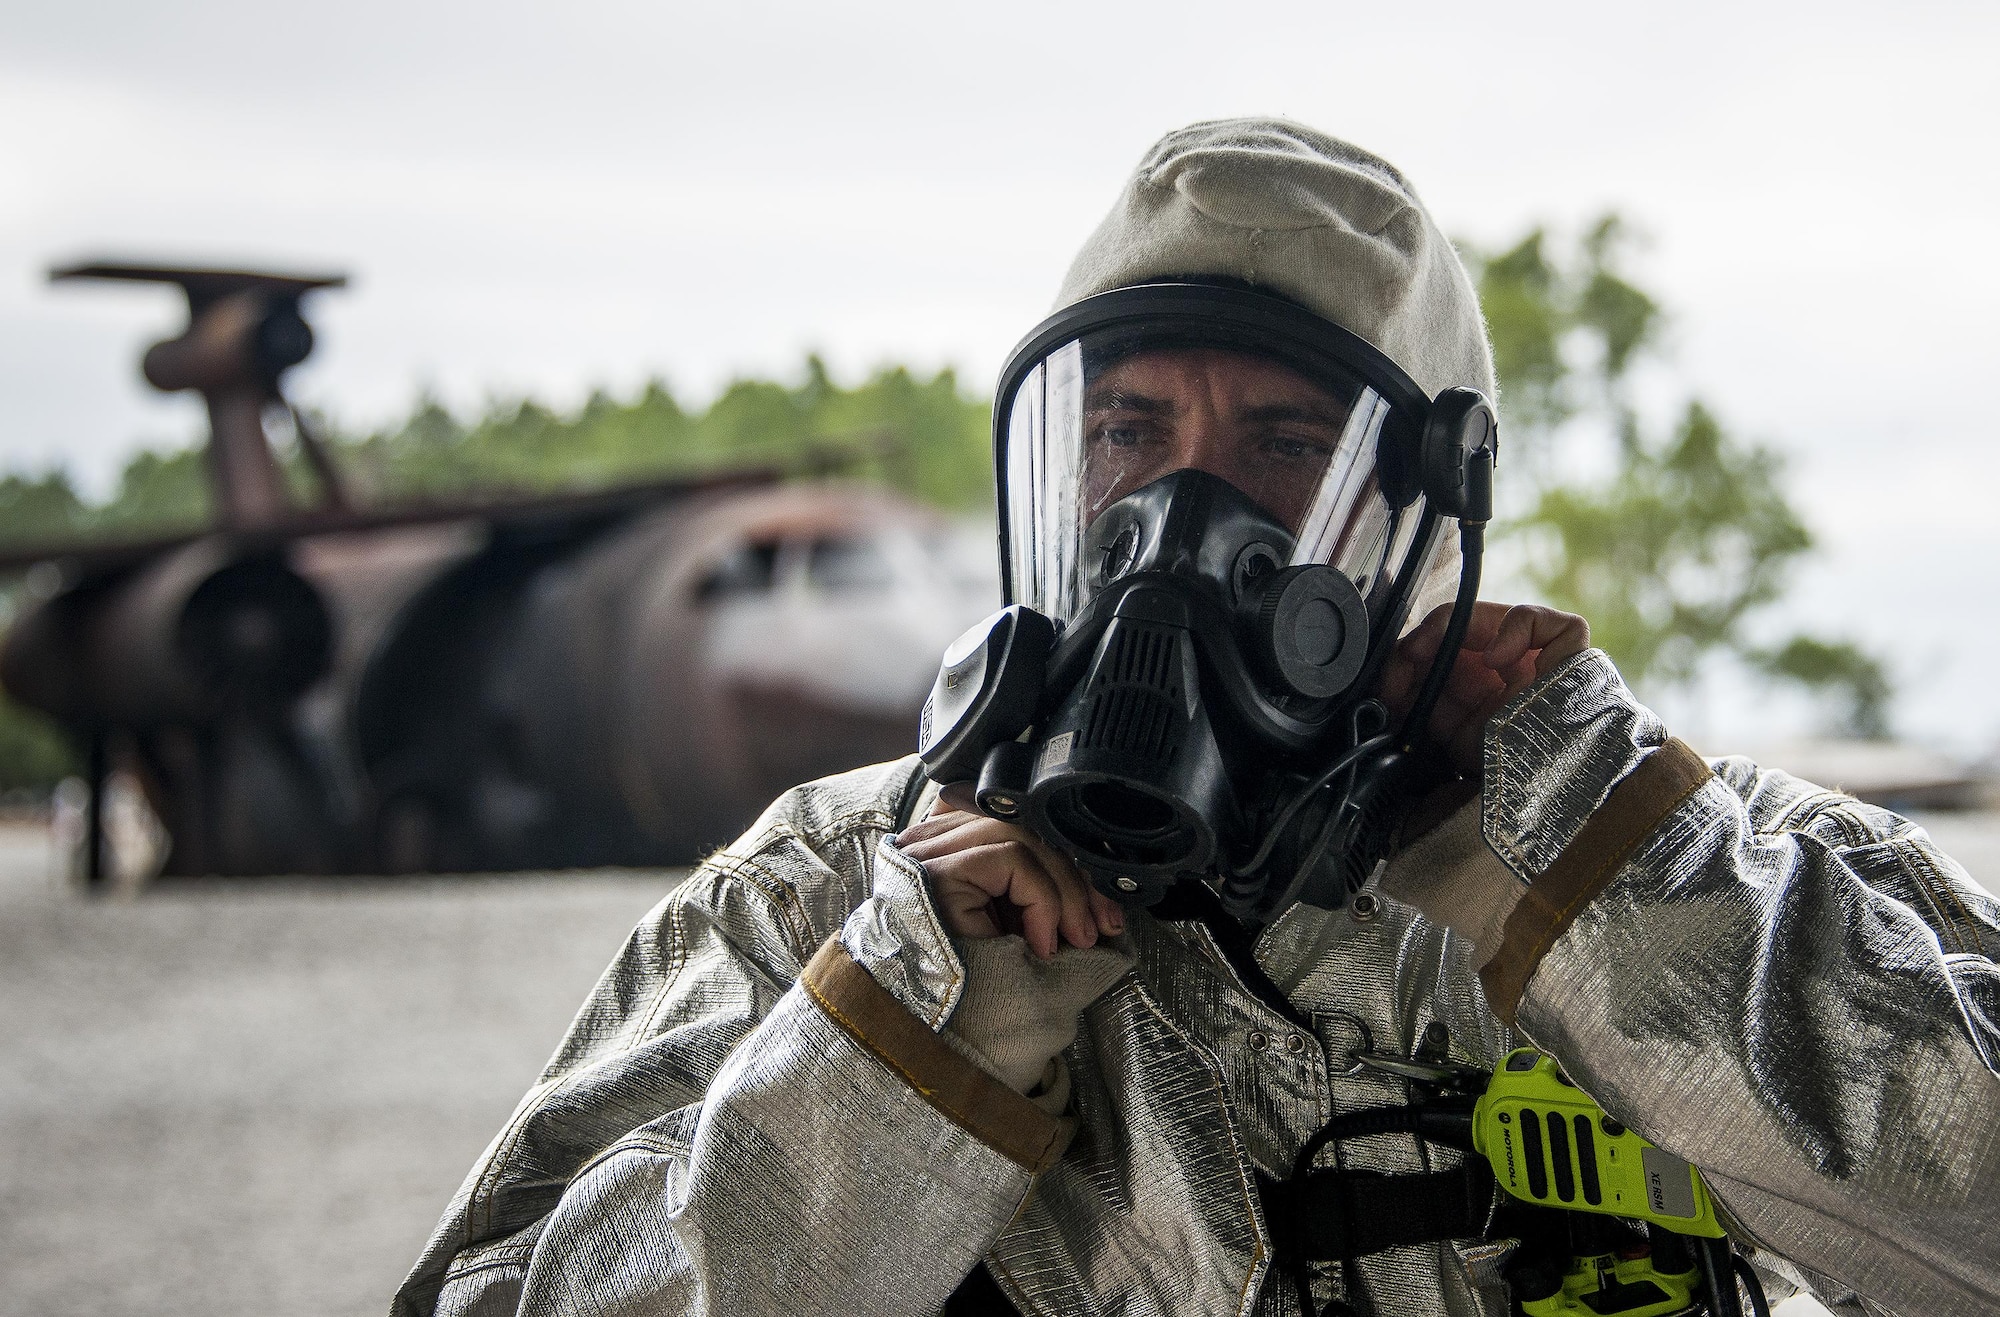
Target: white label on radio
<point x="1669" y="1183"/>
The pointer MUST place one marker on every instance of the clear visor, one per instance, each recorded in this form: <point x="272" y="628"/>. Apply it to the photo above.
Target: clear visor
<point x="1105" y="415"/>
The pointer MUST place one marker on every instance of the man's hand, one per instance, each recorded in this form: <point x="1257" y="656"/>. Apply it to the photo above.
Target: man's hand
<point x="994" y="878"/>
<point x="1506" y="650"/>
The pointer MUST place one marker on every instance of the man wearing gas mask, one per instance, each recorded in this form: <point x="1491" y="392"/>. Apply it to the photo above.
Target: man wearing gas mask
<point x="1213" y="843"/>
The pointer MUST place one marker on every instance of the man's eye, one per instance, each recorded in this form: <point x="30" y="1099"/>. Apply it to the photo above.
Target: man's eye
<point x="1120" y="436"/>
<point x="1295" y="448"/>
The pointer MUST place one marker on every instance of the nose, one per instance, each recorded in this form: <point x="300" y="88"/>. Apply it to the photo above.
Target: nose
<point x="1201" y="443"/>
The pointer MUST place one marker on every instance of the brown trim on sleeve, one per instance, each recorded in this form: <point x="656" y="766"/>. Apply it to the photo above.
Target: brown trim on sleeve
<point x="1630" y="814"/>
<point x="973" y="1100"/>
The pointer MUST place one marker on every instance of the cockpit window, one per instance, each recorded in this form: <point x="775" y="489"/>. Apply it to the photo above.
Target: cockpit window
<point x="838" y="565"/>
<point x="748" y="569"/>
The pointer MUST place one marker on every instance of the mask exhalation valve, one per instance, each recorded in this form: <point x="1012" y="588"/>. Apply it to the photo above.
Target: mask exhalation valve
<point x="1128" y="773"/>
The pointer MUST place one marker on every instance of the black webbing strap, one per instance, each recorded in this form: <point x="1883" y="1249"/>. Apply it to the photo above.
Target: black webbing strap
<point x="913" y="796"/>
<point x="1333" y="1215"/>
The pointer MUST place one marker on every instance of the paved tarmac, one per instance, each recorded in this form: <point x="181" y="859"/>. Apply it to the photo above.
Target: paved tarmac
<point x="256" y="1097"/>
<point x="245" y="1098"/>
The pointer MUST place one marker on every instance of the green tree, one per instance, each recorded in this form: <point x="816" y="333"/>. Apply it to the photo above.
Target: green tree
<point x="40" y="507"/>
<point x="921" y="435"/>
<point x="158" y="491"/>
<point x="1845" y="671"/>
<point x="34" y="754"/>
<point x="1688" y="535"/>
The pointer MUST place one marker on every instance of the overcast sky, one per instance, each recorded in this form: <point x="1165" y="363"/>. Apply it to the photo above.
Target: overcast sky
<point x="541" y="200"/>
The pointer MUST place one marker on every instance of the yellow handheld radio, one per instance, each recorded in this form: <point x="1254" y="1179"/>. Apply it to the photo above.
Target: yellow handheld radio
<point x="1551" y="1145"/>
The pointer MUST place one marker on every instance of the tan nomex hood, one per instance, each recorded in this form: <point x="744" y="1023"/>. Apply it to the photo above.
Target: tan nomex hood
<point x="1284" y="207"/>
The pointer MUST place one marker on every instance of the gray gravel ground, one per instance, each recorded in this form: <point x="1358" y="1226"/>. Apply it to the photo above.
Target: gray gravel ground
<point x="256" y="1097"/>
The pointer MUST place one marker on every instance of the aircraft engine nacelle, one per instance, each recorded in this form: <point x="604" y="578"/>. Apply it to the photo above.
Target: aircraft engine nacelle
<point x="206" y="629"/>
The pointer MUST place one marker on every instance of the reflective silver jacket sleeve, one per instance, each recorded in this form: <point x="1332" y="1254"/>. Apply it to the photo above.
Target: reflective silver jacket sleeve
<point x="1794" y="990"/>
<point x="739" y="1124"/>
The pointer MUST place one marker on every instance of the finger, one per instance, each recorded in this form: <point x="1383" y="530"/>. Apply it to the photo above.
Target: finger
<point x="925" y="849"/>
<point x="1079" y="913"/>
<point x="949" y="834"/>
<point x="1419" y="649"/>
<point x="958" y="796"/>
<point x="1411" y="659"/>
<point x="1469" y="680"/>
<point x="1463" y="707"/>
<point x="1519" y="677"/>
<point x="1401" y="681"/>
<point x="1110" y="915"/>
<point x="1009" y="871"/>
<point x="1487" y="618"/>
<point x="1530" y="628"/>
<point x="1080" y="922"/>
<point x="942" y="821"/>
<point x="967" y="912"/>
<point x="1515" y="637"/>
<point x="935" y="825"/>
<point x="1480" y="627"/>
<point x="1043" y="905"/>
<point x="1078" y="919"/>
<point x="1571" y="638"/>
<point x="1398" y="686"/>
<point x="957" y="832"/>
<point x="1421" y="644"/>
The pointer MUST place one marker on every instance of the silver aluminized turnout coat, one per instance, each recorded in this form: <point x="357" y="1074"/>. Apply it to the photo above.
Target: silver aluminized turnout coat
<point x="754" y="1112"/>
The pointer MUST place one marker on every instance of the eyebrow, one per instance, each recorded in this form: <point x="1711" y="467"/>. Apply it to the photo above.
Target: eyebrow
<point x="1285" y="411"/>
<point x="1119" y="400"/>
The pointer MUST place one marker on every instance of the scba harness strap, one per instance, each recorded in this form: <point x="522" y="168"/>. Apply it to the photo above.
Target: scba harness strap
<point x="1339" y="1215"/>
<point x="1329" y="1216"/>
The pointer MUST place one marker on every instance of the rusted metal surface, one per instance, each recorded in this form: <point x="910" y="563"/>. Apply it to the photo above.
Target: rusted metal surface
<point x="244" y="331"/>
<point x="639" y="696"/>
<point x="623" y="676"/>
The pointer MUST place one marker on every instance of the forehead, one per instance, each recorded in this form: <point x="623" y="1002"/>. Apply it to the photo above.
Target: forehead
<point x="1216" y="376"/>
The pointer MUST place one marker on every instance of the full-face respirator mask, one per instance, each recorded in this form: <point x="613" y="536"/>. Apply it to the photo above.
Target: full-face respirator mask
<point x="1217" y="511"/>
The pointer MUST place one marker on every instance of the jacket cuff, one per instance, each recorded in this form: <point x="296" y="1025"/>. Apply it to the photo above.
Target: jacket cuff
<point x="970" y="1098"/>
<point x="897" y="936"/>
<point x="1578" y="774"/>
<point x="1553" y="755"/>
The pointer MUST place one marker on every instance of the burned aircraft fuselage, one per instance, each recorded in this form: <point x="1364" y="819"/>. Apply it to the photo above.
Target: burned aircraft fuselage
<point x="623" y="677"/>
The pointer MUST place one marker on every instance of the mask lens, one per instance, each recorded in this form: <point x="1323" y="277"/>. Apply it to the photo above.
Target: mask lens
<point x="1263" y="427"/>
<point x="1106" y="414"/>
